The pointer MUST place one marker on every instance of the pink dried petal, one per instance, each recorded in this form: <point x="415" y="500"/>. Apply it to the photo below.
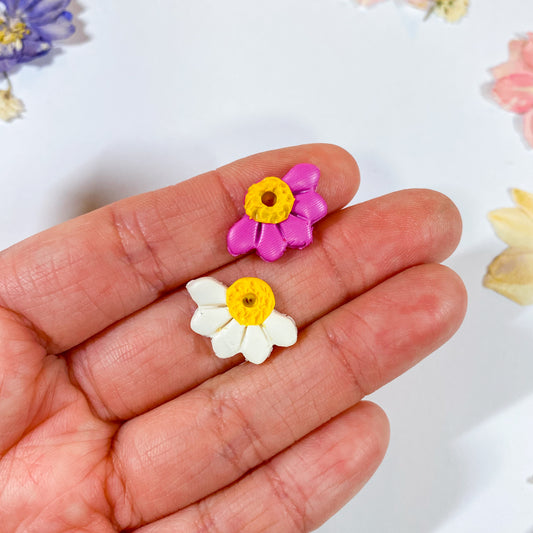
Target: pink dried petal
<point x="515" y="92"/>
<point x="271" y="244"/>
<point x="310" y="205"/>
<point x="297" y="232"/>
<point x="302" y="177"/>
<point x="520" y="58"/>
<point x="528" y="127"/>
<point x="242" y="236"/>
<point x="527" y="52"/>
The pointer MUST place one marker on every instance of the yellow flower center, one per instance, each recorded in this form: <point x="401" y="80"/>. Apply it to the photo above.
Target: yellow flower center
<point x="269" y="201"/>
<point x="13" y="33"/>
<point x="250" y="301"/>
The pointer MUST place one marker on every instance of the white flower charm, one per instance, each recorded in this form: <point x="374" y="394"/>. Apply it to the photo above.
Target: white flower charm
<point x="240" y="318"/>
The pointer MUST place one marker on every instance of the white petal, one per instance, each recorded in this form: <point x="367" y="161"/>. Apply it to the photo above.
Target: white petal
<point x="256" y="346"/>
<point x="227" y="342"/>
<point x="281" y="329"/>
<point x="207" y="291"/>
<point x="207" y="320"/>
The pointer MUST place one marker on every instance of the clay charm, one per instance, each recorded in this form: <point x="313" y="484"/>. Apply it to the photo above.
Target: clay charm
<point x="280" y="214"/>
<point x="240" y="318"/>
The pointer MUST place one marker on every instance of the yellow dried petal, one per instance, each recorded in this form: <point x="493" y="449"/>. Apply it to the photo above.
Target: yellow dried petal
<point x="523" y="199"/>
<point x="451" y="10"/>
<point x="10" y="106"/>
<point x="513" y="226"/>
<point x="511" y="274"/>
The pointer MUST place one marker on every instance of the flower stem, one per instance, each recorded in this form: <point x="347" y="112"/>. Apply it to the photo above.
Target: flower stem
<point x="430" y="10"/>
<point x="9" y="85"/>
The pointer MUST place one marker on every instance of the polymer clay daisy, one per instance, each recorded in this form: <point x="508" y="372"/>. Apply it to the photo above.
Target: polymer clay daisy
<point x="240" y="318"/>
<point x="280" y="214"/>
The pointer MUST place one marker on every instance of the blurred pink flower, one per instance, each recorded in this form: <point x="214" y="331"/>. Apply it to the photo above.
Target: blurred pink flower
<point x="513" y="89"/>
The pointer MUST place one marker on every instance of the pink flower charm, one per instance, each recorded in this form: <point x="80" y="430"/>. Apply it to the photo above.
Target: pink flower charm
<point x="280" y="214"/>
<point x="513" y="89"/>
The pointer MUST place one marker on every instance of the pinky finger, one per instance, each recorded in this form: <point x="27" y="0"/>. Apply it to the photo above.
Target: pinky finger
<point x="300" y="488"/>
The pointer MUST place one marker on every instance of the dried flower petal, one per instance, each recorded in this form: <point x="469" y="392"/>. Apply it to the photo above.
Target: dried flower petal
<point x="10" y="106"/>
<point x="513" y="89"/>
<point x="511" y="274"/>
<point x="515" y="92"/>
<point x="451" y="10"/>
<point x="513" y="226"/>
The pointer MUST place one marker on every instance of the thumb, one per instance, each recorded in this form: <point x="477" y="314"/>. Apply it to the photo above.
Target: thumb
<point x="22" y="355"/>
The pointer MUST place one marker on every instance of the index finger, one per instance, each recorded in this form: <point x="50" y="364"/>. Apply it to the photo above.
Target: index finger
<point x="77" y="278"/>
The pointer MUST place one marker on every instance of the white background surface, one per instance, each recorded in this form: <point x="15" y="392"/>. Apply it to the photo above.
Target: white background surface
<point x="151" y="93"/>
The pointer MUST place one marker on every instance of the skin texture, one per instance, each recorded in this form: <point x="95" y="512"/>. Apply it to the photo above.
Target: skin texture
<point x="115" y="416"/>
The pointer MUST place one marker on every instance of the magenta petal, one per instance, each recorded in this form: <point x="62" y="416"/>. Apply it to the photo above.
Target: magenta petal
<point x="298" y="232"/>
<point x="242" y="236"/>
<point x="302" y="177"/>
<point x="310" y="205"/>
<point x="271" y="244"/>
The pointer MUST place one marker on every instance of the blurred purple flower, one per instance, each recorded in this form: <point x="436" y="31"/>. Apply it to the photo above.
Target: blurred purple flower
<point x="28" y="28"/>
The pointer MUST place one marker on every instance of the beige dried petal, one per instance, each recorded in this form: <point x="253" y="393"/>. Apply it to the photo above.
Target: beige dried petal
<point x="513" y="226"/>
<point x="10" y="106"/>
<point x="511" y="274"/>
<point x="523" y="199"/>
<point x="451" y="10"/>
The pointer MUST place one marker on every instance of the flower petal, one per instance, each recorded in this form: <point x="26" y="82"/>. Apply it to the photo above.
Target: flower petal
<point x="527" y="52"/>
<point x="297" y="232"/>
<point x="61" y="28"/>
<point x="256" y="346"/>
<point x="513" y="226"/>
<point x="242" y="236"/>
<point x="11" y="6"/>
<point x="511" y="274"/>
<point x="523" y="199"/>
<point x="310" y="205"/>
<point x="271" y="244"/>
<point x="302" y="177"/>
<point x="515" y="92"/>
<point x="281" y="329"/>
<point x="528" y="127"/>
<point x="207" y="321"/>
<point x="46" y="11"/>
<point x="207" y="291"/>
<point x="227" y="342"/>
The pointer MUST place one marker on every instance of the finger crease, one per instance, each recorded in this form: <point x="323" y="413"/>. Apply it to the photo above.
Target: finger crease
<point x="136" y="249"/>
<point x="294" y="507"/>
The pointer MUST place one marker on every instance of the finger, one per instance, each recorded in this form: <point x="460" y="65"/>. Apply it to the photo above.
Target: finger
<point x="75" y="279"/>
<point x="299" y="489"/>
<point x="21" y="390"/>
<point x="209" y="437"/>
<point x="153" y="356"/>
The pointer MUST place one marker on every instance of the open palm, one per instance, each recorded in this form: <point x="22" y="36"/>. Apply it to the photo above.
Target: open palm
<point x="115" y="416"/>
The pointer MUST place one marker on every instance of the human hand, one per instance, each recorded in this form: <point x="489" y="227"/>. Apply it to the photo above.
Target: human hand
<point x="115" y="416"/>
